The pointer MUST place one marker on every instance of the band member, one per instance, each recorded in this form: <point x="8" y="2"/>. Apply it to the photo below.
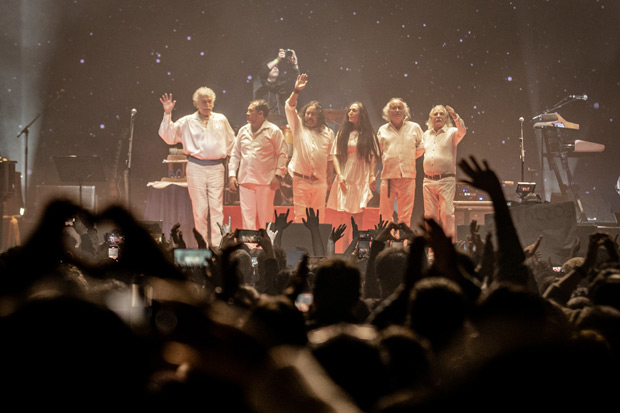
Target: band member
<point x="440" y="142"/>
<point x="354" y="156"/>
<point x="401" y="144"/>
<point x="207" y="140"/>
<point x="257" y="166"/>
<point x="312" y="142"/>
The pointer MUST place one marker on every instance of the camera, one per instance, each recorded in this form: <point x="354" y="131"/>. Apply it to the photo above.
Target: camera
<point x="288" y="53"/>
<point x="192" y="257"/>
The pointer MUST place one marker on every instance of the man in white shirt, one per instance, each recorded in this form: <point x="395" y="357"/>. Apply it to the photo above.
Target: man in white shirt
<point x="207" y="140"/>
<point x="257" y="166"/>
<point x="401" y="144"/>
<point x="440" y="142"/>
<point x="311" y="164"/>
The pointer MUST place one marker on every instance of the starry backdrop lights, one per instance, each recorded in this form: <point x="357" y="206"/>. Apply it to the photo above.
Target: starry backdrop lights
<point x="493" y="61"/>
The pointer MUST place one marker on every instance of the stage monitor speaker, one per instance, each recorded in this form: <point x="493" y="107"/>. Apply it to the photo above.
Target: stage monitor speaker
<point x="296" y="241"/>
<point x="597" y="209"/>
<point x="556" y="223"/>
<point x="47" y="193"/>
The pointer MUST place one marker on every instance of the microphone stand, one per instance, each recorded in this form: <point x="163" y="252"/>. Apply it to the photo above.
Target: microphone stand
<point x="26" y="131"/>
<point x="556" y="106"/>
<point x="522" y="155"/>
<point x="128" y="169"/>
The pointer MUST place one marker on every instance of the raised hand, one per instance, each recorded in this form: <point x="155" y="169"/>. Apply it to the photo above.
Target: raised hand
<point x="530" y="250"/>
<point x="337" y="233"/>
<point x="281" y="222"/>
<point x="487" y="263"/>
<point x="442" y="247"/>
<point x="224" y="228"/>
<point x="312" y="221"/>
<point x="405" y="232"/>
<point x="416" y="262"/>
<point x="271" y="231"/>
<point x="299" y="280"/>
<point x="379" y="226"/>
<point x="301" y="82"/>
<point x="293" y="58"/>
<point x="199" y="239"/>
<point x="481" y="177"/>
<point x="167" y="102"/>
<point x="265" y="242"/>
<point x="281" y="55"/>
<point x="177" y="236"/>
<point x="385" y="233"/>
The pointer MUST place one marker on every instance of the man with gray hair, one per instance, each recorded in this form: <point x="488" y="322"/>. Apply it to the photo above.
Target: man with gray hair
<point x="401" y="144"/>
<point x="445" y="131"/>
<point x="207" y="140"/>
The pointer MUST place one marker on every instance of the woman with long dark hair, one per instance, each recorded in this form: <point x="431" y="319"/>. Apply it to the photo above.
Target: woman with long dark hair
<point x="354" y="156"/>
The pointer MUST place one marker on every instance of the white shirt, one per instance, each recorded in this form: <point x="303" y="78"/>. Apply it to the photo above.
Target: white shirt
<point x="212" y="142"/>
<point x="400" y="149"/>
<point x="440" y="149"/>
<point x="311" y="148"/>
<point x="258" y="156"/>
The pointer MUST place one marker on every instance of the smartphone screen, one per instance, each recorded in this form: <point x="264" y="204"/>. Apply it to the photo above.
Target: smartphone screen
<point x="363" y="248"/>
<point x="247" y="235"/>
<point x="190" y="257"/>
<point x="113" y="252"/>
<point x="303" y="302"/>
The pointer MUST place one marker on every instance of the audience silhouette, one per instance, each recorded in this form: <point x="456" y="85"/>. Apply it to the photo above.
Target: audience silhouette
<point x="418" y="324"/>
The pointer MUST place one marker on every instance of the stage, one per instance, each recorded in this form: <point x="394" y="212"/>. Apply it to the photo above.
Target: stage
<point x="169" y="203"/>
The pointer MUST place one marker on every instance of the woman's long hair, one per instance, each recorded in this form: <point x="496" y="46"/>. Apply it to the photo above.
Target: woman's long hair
<point x="367" y="144"/>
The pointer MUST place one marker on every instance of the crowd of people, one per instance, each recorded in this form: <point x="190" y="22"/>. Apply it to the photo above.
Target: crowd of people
<point x="483" y="324"/>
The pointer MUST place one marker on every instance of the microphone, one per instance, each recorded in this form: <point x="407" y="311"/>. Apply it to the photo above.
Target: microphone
<point x="133" y="112"/>
<point x="579" y="97"/>
<point x="521" y="119"/>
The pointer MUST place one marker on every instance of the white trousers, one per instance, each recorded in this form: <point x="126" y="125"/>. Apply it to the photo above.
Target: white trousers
<point x="439" y="203"/>
<point x="308" y="194"/>
<point x="256" y="203"/>
<point x="205" y="185"/>
<point x="401" y="190"/>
